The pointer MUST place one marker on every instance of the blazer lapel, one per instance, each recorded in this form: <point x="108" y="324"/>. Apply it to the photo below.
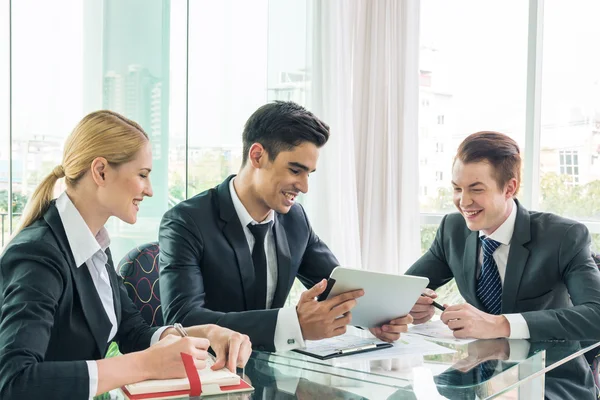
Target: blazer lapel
<point x="517" y="259"/>
<point x="114" y="284"/>
<point x="234" y="233"/>
<point x="91" y="304"/>
<point x="284" y="262"/>
<point x="470" y="268"/>
<point x="92" y="307"/>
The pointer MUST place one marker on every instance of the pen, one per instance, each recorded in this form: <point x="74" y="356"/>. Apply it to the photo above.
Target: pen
<point x="354" y="349"/>
<point x="183" y="333"/>
<point x="180" y="329"/>
<point x="435" y="304"/>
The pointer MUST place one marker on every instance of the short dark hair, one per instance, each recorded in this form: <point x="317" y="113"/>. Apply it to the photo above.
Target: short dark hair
<point x="281" y="126"/>
<point x="497" y="149"/>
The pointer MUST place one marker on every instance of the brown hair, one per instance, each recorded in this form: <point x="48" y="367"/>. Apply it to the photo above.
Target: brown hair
<point x="497" y="149"/>
<point x="99" y="134"/>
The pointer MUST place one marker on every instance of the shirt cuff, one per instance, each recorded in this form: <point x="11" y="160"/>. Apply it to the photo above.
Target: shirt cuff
<point x="156" y="336"/>
<point x="519" y="350"/>
<point x="93" y="375"/>
<point x="518" y="326"/>
<point x="288" y="335"/>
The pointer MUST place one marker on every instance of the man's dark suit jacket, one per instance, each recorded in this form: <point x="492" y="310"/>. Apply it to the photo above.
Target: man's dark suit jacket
<point x="52" y="319"/>
<point x="206" y="270"/>
<point x="550" y="278"/>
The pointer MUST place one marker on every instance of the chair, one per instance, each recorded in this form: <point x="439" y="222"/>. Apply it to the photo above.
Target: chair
<point x="139" y="269"/>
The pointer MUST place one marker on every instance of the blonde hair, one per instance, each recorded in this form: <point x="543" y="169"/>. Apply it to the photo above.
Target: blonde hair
<point x="99" y="134"/>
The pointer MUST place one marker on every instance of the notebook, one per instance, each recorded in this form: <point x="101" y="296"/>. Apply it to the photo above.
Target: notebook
<point x="205" y="381"/>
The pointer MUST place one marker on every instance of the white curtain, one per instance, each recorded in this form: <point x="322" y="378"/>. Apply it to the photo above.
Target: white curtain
<point x="333" y="202"/>
<point x="365" y="85"/>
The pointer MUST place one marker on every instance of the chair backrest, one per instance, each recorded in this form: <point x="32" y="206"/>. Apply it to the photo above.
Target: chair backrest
<point x="596" y="257"/>
<point x="139" y="269"/>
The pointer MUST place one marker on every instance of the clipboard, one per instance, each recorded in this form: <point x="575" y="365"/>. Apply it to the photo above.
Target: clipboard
<point x="341" y="346"/>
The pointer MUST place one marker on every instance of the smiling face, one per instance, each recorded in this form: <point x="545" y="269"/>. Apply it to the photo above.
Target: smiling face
<point x="278" y="182"/>
<point x="127" y="185"/>
<point x="477" y="196"/>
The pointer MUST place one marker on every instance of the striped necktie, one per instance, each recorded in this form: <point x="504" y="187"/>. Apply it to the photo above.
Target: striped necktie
<point x="489" y="285"/>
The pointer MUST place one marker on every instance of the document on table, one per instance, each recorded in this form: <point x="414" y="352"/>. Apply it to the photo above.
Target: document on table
<point x="343" y="345"/>
<point x="405" y="346"/>
<point x="437" y="330"/>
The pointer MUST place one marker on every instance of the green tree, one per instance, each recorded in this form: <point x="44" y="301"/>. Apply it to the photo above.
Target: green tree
<point x="18" y="203"/>
<point x="208" y="170"/>
<point x="443" y="203"/>
<point x="176" y="189"/>
<point x="560" y="196"/>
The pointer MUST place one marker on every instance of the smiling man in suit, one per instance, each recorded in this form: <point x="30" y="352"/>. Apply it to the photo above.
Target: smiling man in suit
<point x="523" y="274"/>
<point x="230" y="254"/>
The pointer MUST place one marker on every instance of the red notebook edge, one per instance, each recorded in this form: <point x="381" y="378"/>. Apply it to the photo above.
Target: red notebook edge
<point x="195" y="385"/>
<point x="243" y="386"/>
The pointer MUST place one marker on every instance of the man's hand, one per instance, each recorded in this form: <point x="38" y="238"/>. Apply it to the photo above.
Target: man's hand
<point x="481" y="351"/>
<point x="468" y="322"/>
<point x="325" y="319"/>
<point x="392" y="330"/>
<point x="232" y="349"/>
<point x="423" y="309"/>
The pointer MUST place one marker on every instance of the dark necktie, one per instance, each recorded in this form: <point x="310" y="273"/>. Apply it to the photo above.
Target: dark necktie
<point x="259" y="259"/>
<point x="489" y="285"/>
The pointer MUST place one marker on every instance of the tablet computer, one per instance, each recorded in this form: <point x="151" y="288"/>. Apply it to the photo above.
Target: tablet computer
<point x="386" y="297"/>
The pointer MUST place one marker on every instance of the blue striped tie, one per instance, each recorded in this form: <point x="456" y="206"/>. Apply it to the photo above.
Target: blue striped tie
<point x="489" y="285"/>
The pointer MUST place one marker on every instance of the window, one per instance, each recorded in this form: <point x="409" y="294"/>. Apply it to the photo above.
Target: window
<point x="569" y="165"/>
<point x="4" y="121"/>
<point x="464" y="91"/>
<point x="224" y="88"/>
<point x="570" y="138"/>
<point x="47" y="98"/>
<point x="569" y="143"/>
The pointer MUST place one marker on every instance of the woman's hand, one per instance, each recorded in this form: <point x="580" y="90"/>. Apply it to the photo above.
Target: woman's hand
<point x="163" y="360"/>
<point x="232" y="348"/>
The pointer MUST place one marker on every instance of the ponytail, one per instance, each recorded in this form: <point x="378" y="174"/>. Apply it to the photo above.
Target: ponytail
<point x="40" y="200"/>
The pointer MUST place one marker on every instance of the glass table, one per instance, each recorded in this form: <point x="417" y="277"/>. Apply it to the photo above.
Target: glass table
<point x="515" y="369"/>
<point x="483" y="369"/>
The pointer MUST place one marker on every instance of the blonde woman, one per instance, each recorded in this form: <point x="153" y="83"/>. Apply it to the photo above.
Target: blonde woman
<point x="61" y="300"/>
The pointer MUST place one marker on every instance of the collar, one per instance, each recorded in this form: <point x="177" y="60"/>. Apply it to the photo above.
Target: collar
<point x="242" y="213"/>
<point x="81" y="240"/>
<point x="504" y="233"/>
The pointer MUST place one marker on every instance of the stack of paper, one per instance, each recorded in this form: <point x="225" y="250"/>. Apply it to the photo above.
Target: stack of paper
<point x="437" y="330"/>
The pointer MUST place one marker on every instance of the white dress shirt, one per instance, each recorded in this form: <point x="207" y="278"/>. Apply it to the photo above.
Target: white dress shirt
<point x="518" y="325"/>
<point x="91" y="251"/>
<point x="288" y="334"/>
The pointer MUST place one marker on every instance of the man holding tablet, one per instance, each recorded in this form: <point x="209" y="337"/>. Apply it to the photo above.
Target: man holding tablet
<point x="523" y="274"/>
<point x="230" y="254"/>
